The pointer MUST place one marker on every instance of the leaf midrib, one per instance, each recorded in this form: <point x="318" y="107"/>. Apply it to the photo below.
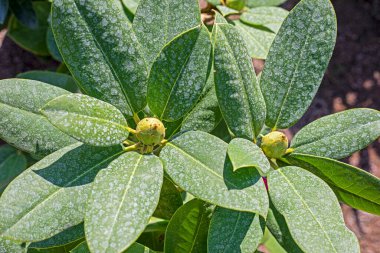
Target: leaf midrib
<point x="197" y="230"/>
<point x="233" y="232"/>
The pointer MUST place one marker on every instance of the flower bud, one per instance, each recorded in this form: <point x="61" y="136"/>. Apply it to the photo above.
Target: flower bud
<point x="274" y="144"/>
<point x="236" y="4"/>
<point x="150" y="131"/>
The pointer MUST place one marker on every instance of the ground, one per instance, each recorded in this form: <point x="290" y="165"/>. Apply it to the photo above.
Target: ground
<point x="352" y="80"/>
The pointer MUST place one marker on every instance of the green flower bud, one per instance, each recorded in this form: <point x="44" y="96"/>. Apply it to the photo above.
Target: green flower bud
<point x="236" y="4"/>
<point x="274" y="144"/>
<point x="150" y="131"/>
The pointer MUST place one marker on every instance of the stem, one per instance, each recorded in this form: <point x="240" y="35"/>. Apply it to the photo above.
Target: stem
<point x="131" y="130"/>
<point x="136" y="118"/>
<point x="128" y="142"/>
<point x="132" y="147"/>
<point x="273" y="163"/>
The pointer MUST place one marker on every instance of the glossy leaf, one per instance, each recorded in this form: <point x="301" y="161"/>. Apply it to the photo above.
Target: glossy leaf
<point x="52" y="45"/>
<point x="187" y="230"/>
<point x="12" y="163"/>
<point x="9" y="246"/>
<point x="156" y="24"/>
<point x="297" y="194"/>
<point x="179" y="74"/>
<point x="87" y="119"/>
<point x="297" y="61"/>
<point x="246" y="154"/>
<point x="4" y="4"/>
<point x="267" y="17"/>
<point x="338" y="135"/>
<point x="31" y="39"/>
<point x="170" y="200"/>
<point x="234" y="231"/>
<point x="81" y="248"/>
<point x="352" y="185"/>
<point x="102" y="54"/>
<point x="197" y="162"/>
<point x="60" y="80"/>
<point x="20" y="102"/>
<point x="258" y="41"/>
<point x="237" y="89"/>
<point x="67" y="236"/>
<point x="257" y="3"/>
<point x="118" y="209"/>
<point x="24" y="12"/>
<point x="50" y="196"/>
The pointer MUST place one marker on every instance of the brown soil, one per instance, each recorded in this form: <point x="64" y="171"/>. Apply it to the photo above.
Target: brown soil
<point x="352" y="80"/>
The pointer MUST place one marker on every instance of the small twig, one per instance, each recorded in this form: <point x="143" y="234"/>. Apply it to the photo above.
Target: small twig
<point x="136" y="118"/>
<point x="132" y="147"/>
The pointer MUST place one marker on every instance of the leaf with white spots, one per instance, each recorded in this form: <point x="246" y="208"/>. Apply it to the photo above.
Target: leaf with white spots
<point x="170" y="200"/>
<point x="198" y="163"/>
<point x="101" y="51"/>
<point x="69" y="235"/>
<point x="131" y="5"/>
<point x="246" y="154"/>
<point x="135" y="248"/>
<point x="257" y="3"/>
<point x="179" y="74"/>
<point x="187" y="230"/>
<point x="20" y="102"/>
<point x="116" y="204"/>
<point x="297" y="194"/>
<point x="9" y="246"/>
<point x="12" y="163"/>
<point x="338" y="135"/>
<point x="60" y="80"/>
<point x="267" y="17"/>
<point x="50" y="196"/>
<point x="237" y="89"/>
<point x="297" y="61"/>
<point x="87" y="119"/>
<point x="352" y="185"/>
<point x="234" y="231"/>
<point x="155" y="23"/>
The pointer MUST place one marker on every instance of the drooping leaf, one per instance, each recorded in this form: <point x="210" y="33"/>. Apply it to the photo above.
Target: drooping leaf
<point x="51" y="196"/>
<point x="52" y="45"/>
<point x="87" y="119"/>
<point x="9" y="246"/>
<point x="20" y="102"/>
<point x="234" y="231"/>
<point x="170" y="200"/>
<point x="257" y="3"/>
<point x="12" y="163"/>
<point x="24" y="12"/>
<point x="258" y="41"/>
<point x="179" y="74"/>
<point x="187" y="230"/>
<point x="226" y="11"/>
<point x="4" y="4"/>
<point x="158" y="22"/>
<point x="31" y="39"/>
<point x="67" y="236"/>
<point x="352" y="185"/>
<point x="119" y="209"/>
<point x="102" y="53"/>
<point x="246" y="154"/>
<point x="197" y="162"/>
<point x="60" y="80"/>
<point x="268" y="17"/>
<point x="297" y="61"/>
<point x="338" y="135"/>
<point x="237" y="89"/>
<point x="311" y="210"/>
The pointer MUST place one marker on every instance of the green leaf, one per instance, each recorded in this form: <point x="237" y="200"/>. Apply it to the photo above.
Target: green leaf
<point x="25" y="12"/>
<point x="4" y="4"/>
<point x="31" y="39"/>
<point x="135" y="248"/>
<point x="338" y="135"/>
<point x="60" y="80"/>
<point x="197" y="162"/>
<point x="179" y="74"/>
<point x="257" y="3"/>
<point x="352" y="185"/>
<point x="115" y="204"/>
<point x="187" y="230"/>
<point x="52" y="45"/>
<point x="246" y="154"/>
<point x="226" y="11"/>
<point x="87" y="119"/>
<point x="297" y="61"/>
<point x="81" y="248"/>
<point x="270" y="243"/>
<point x="12" y="163"/>
<point x="154" y="235"/>
<point x="234" y="231"/>
<point x="131" y="5"/>
<point x="170" y="200"/>
<point x="154" y="23"/>
<point x="50" y="196"/>
<point x="67" y="236"/>
<point x="20" y="102"/>
<point x="268" y="17"/>
<point x="237" y="89"/>
<point x="311" y="211"/>
<point x="258" y="41"/>
<point x="9" y="246"/>
<point x="110" y="66"/>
